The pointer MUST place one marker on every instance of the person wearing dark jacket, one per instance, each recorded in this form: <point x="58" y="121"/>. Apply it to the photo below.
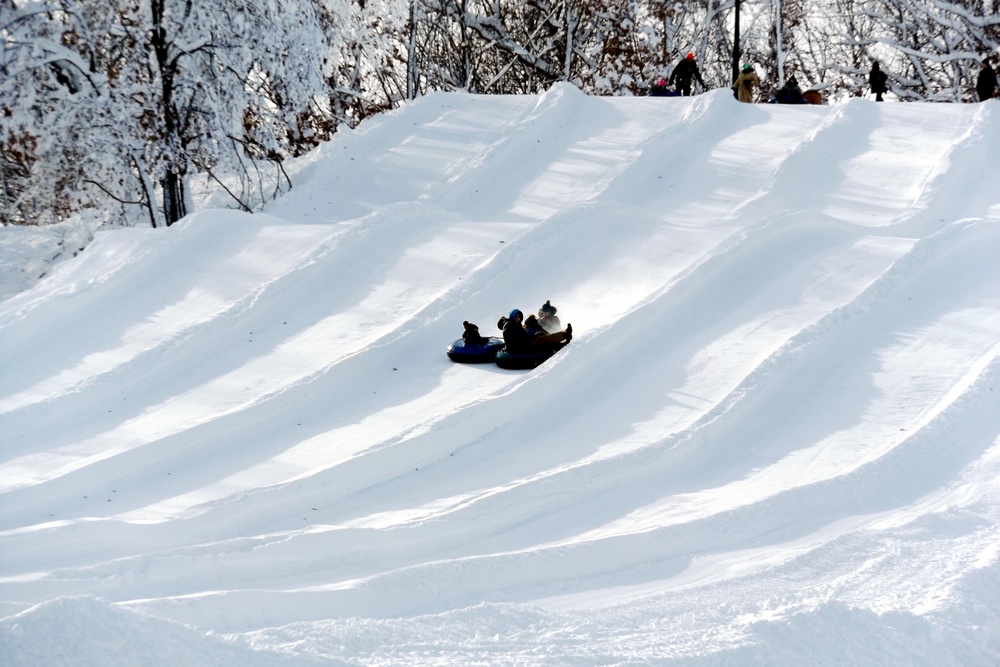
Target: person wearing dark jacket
<point x="517" y="338"/>
<point x="986" y="82"/>
<point x="660" y="89"/>
<point x="682" y="75"/>
<point x="533" y="326"/>
<point x="790" y="93"/>
<point x="471" y="334"/>
<point x="877" y="80"/>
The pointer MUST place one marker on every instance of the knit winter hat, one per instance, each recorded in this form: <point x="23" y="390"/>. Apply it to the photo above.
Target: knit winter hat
<point x="547" y="308"/>
<point x="516" y="313"/>
<point x="690" y="56"/>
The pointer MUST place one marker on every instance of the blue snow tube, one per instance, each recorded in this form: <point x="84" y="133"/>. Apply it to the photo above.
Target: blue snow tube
<point x="526" y="360"/>
<point x="474" y="353"/>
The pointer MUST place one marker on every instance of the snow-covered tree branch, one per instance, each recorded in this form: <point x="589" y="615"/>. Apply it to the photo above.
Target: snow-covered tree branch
<point x="115" y="106"/>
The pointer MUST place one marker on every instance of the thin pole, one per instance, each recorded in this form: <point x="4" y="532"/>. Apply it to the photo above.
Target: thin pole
<point x="736" y="43"/>
<point x="781" y="56"/>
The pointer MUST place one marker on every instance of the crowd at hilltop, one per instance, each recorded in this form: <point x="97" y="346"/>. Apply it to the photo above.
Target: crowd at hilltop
<point x="747" y="85"/>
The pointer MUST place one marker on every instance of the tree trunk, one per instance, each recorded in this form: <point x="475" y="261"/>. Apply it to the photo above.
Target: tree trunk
<point x="411" y="54"/>
<point x="172" y="182"/>
<point x="173" y="197"/>
<point x="464" y="32"/>
<point x="736" y="41"/>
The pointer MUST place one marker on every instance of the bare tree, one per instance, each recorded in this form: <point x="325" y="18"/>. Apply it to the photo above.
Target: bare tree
<point x="114" y="106"/>
<point x="121" y="101"/>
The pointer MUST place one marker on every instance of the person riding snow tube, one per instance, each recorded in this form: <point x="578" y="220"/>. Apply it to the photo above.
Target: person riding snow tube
<point x="527" y="345"/>
<point x="527" y="360"/>
<point x="473" y="347"/>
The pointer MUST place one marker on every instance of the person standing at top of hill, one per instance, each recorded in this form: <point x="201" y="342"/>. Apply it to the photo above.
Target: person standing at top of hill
<point x="877" y="80"/>
<point x="745" y="83"/>
<point x="682" y="75"/>
<point x="790" y="93"/>
<point x="986" y="82"/>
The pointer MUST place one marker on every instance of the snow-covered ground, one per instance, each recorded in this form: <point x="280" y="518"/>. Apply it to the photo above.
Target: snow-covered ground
<point x="774" y="439"/>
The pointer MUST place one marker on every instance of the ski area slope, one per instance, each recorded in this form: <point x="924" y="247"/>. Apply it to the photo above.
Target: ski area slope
<point x="774" y="439"/>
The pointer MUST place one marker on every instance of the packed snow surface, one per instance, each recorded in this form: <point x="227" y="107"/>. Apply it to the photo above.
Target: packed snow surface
<point x="774" y="439"/>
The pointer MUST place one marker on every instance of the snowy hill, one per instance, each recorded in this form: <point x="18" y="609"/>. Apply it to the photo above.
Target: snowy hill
<point x="774" y="439"/>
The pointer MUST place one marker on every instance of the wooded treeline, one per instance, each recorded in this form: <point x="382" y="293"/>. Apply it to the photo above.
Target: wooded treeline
<point x="113" y="105"/>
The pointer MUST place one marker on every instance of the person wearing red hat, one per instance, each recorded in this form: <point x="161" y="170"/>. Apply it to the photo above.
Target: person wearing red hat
<point x="685" y="71"/>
